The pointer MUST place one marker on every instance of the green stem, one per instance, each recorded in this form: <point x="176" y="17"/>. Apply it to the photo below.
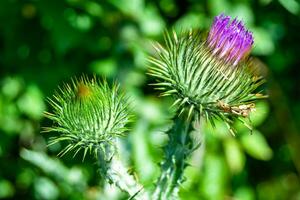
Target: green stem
<point x="115" y="172"/>
<point x="178" y="149"/>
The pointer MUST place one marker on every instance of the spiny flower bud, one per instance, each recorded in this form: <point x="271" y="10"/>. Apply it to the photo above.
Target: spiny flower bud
<point x="89" y="115"/>
<point x="209" y="75"/>
<point x="229" y="39"/>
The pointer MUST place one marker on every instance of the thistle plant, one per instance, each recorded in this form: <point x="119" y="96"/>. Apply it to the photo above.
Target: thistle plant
<point x="90" y="116"/>
<point x="209" y="76"/>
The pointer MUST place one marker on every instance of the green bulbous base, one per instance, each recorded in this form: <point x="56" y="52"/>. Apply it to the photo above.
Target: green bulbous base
<point x="88" y="115"/>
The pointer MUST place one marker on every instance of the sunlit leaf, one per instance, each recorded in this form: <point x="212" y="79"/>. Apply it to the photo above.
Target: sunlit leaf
<point x="11" y="87"/>
<point x="261" y="112"/>
<point x="32" y="102"/>
<point x="244" y="193"/>
<point x="219" y="6"/>
<point x="6" y="189"/>
<point x="191" y="20"/>
<point x="45" y="189"/>
<point x="234" y="155"/>
<point x="151" y="22"/>
<point x="256" y="146"/>
<point x="292" y="6"/>
<point x="54" y="168"/>
<point x="214" y="178"/>
<point x="105" y="67"/>
<point x="243" y="11"/>
<point x="264" y="45"/>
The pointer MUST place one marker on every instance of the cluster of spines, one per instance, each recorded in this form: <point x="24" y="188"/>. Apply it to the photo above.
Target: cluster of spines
<point x="189" y="70"/>
<point x="88" y="114"/>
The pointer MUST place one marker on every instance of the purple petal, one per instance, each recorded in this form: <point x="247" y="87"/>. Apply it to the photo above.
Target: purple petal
<point x="229" y="39"/>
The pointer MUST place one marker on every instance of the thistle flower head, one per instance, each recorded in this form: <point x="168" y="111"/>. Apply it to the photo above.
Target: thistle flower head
<point x="212" y="75"/>
<point x="229" y="39"/>
<point x="89" y="115"/>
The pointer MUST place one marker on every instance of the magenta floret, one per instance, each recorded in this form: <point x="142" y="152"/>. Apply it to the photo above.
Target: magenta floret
<point x="229" y="39"/>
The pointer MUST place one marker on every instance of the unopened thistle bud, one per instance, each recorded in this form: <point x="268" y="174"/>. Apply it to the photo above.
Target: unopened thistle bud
<point x="89" y="115"/>
<point x="210" y="75"/>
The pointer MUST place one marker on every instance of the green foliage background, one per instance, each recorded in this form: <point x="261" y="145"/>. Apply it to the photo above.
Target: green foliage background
<point x="44" y="43"/>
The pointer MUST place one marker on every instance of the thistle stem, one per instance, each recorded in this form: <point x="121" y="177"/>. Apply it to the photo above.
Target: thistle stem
<point x="177" y="150"/>
<point x="115" y="172"/>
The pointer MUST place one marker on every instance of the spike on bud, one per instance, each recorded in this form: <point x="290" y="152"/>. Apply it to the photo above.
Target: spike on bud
<point x="229" y="39"/>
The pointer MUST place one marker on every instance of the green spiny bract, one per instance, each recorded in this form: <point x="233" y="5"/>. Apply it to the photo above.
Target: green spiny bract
<point x="89" y="115"/>
<point x="202" y="82"/>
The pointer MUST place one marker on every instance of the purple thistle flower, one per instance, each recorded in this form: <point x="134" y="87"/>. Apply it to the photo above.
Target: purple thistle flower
<point x="229" y="39"/>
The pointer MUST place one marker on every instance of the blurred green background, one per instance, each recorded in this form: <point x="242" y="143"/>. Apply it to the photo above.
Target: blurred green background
<point x="44" y="43"/>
